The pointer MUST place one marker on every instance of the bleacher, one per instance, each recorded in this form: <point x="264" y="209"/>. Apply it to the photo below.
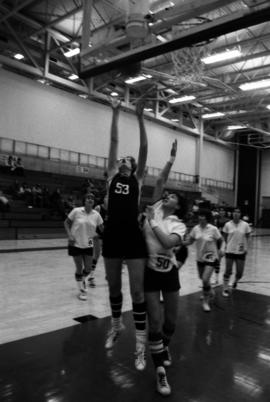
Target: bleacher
<point x="25" y="221"/>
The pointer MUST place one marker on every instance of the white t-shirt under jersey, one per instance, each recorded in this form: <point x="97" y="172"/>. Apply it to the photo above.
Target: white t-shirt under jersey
<point x="159" y="258"/>
<point x="84" y="226"/>
<point x="237" y="236"/>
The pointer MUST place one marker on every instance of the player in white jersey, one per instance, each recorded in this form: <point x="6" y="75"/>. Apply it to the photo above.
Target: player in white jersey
<point x="81" y="225"/>
<point x="236" y="233"/>
<point x="163" y="231"/>
<point x="208" y="243"/>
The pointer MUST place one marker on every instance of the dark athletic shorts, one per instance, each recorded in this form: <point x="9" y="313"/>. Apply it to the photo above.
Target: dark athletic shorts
<point x="76" y="251"/>
<point x="236" y="256"/>
<point x="201" y="265"/>
<point x="166" y="281"/>
<point x="182" y="254"/>
<point x="124" y="242"/>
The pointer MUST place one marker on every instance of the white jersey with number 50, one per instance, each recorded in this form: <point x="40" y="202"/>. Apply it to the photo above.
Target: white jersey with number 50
<point x="159" y="258"/>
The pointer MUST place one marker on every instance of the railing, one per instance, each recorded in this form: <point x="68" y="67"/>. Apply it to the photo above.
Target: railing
<point x="82" y="160"/>
<point x="216" y="183"/>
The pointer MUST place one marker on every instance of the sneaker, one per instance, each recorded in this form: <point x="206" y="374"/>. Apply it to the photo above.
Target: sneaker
<point x="82" y="295"/>
<point x="92" y="282"/>
<point x="140" y="360"/>
<point x="167" y="357"/>
<point x="112" y="337"/>
<point x="205" y="306"/>
<point x="225" y="293"/>
<point x="162" y="384"/>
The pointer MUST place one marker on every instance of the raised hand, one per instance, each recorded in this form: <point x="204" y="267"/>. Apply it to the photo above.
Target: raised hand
<point x="174" y="149"/>
<point x="140" y="107"/>
<point x="115" y="103"/>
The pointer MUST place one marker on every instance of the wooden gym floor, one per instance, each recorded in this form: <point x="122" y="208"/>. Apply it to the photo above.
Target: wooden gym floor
<point x="52" y="344"/>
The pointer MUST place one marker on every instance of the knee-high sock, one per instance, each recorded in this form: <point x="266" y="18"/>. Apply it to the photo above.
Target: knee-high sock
<point x="156" y="348"/>
<point x="139" y="316"/>
<point x="116" y="308"/>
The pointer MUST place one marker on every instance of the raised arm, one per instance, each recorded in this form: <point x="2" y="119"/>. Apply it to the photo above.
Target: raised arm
<point x="113" y="150"/>
<point x="164" y="174"/>
<point x="140" y="171"/>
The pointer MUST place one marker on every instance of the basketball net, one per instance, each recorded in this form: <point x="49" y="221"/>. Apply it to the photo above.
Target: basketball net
<point x="187" y="65"/>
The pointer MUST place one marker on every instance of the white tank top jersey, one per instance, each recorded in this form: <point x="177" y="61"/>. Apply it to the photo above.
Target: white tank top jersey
<point x="206" y="242"/>
<point x="237" y="236"/>
<point x="84" y="226"/>
<point x="159" y="258"/>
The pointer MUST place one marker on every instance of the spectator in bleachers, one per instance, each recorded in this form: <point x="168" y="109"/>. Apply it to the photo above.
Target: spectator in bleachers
<point x="69" y="204"/>
<point x="45" y="197"/>
<point x="37" y="196"/>
<point x="57" y="203"/>
<point x="4" y="202"/>
<point x="19" y="168"/>
<point x="10" y="164"/>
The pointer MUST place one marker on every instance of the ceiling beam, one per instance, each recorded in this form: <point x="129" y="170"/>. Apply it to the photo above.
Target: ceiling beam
<point x="23" y="48"/>
<point x="218" y="27"/>
<point x="36" y="25"/>
<point x="16" y="9"/>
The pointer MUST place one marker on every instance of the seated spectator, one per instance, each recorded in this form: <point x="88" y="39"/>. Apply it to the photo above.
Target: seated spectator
<point x="19" y="168"/>
<point x="69" y="204"/>
<point x="10" y="164"/>
<point x="37" y="195"/>
<point x="4" y="203"/>
<point x="57" y="203"/>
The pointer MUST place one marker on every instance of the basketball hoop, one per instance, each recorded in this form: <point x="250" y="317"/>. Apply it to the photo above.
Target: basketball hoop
<point x="187" y="64"/>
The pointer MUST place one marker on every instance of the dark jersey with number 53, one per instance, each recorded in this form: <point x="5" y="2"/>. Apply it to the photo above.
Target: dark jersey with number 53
<point x="123" y="201"/>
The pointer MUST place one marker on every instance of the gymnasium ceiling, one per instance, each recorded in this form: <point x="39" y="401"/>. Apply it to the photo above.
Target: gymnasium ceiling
<point x="44" y="30"/>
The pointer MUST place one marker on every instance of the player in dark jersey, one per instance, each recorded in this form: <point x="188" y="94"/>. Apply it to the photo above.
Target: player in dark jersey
<point x="122" y="237"/>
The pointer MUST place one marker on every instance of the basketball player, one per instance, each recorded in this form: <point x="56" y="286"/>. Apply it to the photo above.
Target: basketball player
<point x="81" y="225"/>
<point x="123" y="238"/>
<point x="208" y="243"/>
<point x="236" y="233"/>
<point x="163" y="231"/>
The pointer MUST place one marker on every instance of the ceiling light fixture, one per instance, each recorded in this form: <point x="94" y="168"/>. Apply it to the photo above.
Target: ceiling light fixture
<point x="182" y="99"/>
<point x="268" y="107"/>
<point x="18" y="56"/>
<point x="228" y="54"/>
<point x="148" y="109"/>
<point x="72" y="52"/>
<point x="249" y="86"/>
<point x="114" y="94"/>
<point x="175" y="120"/>
<point x="212" y="115"/>
<point x="73" y="77"/>
<point x="139" y="78"/>
<point x="161" y="38"/>
<point x="236" y="127"/>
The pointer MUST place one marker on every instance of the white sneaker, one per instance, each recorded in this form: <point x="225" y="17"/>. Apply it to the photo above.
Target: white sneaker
<point x="205" y="306"/>
<point x="113" y="336"/>
<point x="82" y="295"/>
<point x="162" y="383"/>
<point x="168" y="358"/>
<point x="140" y="360"/>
